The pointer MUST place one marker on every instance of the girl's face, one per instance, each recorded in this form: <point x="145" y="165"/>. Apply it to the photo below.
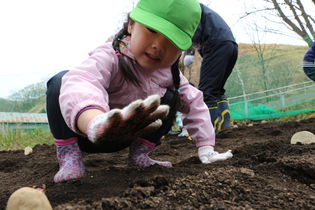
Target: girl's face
<point x="151" y="49"/>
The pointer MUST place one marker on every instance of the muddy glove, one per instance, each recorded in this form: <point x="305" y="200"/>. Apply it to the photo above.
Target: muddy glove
<point x="125" y="125"/>
<point x="188" y="60"/>
<point x="208" y="155"/>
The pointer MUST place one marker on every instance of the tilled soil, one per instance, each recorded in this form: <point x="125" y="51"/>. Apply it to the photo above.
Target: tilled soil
<point x="266" y="172"/>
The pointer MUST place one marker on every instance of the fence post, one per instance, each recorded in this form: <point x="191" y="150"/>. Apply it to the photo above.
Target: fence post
<point x="282" y="98"/>
<point x="304" y="85"/>
<point x="246" y="109"/>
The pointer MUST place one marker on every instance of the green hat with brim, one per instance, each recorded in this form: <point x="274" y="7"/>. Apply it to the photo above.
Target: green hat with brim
<point x="175" y="19"/>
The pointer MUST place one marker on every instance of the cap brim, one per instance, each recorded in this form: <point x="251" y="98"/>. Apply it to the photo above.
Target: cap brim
<point x="179" y="38"/>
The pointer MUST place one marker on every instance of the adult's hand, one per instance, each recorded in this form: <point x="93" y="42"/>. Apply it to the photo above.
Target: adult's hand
<point x="188" y="60"/>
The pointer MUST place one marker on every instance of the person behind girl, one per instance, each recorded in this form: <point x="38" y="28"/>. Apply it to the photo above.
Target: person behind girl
<point x="216" y="45"/>
<point x="309" y="62"/>
<point x="126" y="93"/>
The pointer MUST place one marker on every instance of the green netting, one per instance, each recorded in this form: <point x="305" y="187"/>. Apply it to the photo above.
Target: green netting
<point x="245" y="110"/>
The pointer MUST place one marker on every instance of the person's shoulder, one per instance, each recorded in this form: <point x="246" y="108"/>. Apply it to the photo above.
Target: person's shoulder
<point x="203" y="6"/>
<point x="104" y="54"/>
<point x="206" y="10"/>
<point x="105" y="48"/>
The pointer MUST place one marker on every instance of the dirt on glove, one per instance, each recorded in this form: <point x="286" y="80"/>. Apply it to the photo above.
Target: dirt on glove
<point x="266" y="172"/>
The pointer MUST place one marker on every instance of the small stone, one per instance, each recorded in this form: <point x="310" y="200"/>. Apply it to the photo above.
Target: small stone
<point x="28" y="150"/>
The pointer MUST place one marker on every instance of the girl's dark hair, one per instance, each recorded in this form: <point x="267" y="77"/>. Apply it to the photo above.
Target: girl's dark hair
<point x="123" y="66"/>
<point x="131" y="78"/>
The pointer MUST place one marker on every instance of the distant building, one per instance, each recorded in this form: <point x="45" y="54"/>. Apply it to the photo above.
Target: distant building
<point x="25" y="121"/>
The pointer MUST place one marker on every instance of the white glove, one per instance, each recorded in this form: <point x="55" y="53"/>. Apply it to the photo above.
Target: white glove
<point x="123" y="125"/>
<point x="188" y="60"/>
<point x="208" y="155"/>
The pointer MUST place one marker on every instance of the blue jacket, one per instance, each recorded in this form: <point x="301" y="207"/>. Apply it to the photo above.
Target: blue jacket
<point x="211" y="29"/>
<point x="310" y="54"/>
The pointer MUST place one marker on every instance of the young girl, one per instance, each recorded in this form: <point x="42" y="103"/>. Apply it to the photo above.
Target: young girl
<point x="112" y="100"/>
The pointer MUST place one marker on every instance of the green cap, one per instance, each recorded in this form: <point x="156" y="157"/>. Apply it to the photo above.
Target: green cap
<point x="175" y="19"/>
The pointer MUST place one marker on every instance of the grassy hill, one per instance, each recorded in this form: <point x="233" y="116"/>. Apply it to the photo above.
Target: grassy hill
<point x="40" y="107"/>
<point x="266" y="67"/>
<point x="276" y="58"/>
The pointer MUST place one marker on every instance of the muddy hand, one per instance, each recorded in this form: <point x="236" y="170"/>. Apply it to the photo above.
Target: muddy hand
<point x="208" y="155"/>
<point x="122" y="125"/>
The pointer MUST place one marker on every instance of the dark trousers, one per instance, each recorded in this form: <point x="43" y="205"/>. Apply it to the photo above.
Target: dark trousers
<point x="310" y="72"/>
<point x="60" y="130"/>
<point x="217" y="65"/>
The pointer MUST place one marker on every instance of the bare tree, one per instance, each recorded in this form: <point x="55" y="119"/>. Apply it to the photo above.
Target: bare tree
<point x="264" y="53"/>
<point x="291" y="13"/>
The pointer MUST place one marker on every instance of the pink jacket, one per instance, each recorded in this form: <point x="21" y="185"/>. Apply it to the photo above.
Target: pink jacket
<point x="98" y="82"/>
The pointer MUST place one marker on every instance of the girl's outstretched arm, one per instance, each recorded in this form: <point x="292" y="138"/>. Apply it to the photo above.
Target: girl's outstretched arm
<point x="123" y="125"/>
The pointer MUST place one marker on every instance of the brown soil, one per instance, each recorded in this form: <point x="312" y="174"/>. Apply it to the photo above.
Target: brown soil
<point x="266" y="172"/>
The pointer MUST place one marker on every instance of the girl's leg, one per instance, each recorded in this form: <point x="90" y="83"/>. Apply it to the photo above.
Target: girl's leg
<point x="70" y="161"/>
<point x="142" y="146"/>
<point x="57" y="124"/>
<point x="155" y="136"/>
<point x="62" y="133"/>
<point x="69" y="144"/>
<point x="68" y="152"/>
<point x="138" y="154"/>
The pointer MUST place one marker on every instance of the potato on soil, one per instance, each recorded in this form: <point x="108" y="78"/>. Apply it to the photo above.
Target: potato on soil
<point x="27" y="198"/>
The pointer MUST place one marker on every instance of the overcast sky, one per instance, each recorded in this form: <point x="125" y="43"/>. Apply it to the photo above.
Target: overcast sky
<point x="42" y="37"/>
